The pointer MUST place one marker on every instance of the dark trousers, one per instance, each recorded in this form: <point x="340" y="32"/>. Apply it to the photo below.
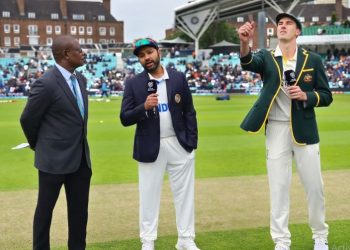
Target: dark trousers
<point x="77" y="186"/>
<point x="104" y="93"/>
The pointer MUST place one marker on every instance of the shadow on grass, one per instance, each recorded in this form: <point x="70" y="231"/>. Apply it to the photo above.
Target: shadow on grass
<point x="248" y="239"/>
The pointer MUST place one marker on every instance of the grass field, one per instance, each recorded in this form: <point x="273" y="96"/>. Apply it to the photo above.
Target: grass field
<point x="248" y="239"/>
<point x="224" y="151"/>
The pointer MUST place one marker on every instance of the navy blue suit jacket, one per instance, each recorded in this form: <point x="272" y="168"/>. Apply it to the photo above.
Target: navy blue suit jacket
<point x="53" y="126"/>
<point x="147" y="134"/>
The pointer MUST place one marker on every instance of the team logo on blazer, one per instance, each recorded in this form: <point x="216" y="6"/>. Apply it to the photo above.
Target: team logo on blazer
<point x="307" y="78"/>
<point x="177" y="98"/>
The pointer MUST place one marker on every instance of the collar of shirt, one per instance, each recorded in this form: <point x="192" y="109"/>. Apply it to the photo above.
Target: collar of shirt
<point x="278" y="52"/>
<point x="288" y="64"/>
<point x="65" y="73"/>
<point x="164" y="77"/>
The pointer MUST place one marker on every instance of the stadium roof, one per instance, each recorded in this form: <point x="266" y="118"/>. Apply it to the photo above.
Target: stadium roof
<point x="224" y="43"/>
<point x="230" y="8"/>
<point x="176" y="40"/>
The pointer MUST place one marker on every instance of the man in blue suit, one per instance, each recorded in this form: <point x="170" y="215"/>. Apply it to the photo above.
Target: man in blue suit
<point x="159" y="102"/>
<point x="54" y="122"/>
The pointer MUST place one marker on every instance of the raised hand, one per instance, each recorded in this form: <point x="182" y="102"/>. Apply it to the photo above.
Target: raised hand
<point x="246" y="31"/>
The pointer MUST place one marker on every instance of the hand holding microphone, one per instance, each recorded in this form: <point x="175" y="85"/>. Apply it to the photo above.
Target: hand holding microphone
<point x="152" y="98"/>
<point x="294" y="91"/>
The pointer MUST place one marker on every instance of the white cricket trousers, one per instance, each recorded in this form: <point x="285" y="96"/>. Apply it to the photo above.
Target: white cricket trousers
<point x="179" y="164"/>
<point x="280" y="150"/>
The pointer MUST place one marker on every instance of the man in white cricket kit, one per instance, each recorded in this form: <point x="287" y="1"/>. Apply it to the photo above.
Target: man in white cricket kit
<point x="295" y="84"/>
<point x="159" y="102"/>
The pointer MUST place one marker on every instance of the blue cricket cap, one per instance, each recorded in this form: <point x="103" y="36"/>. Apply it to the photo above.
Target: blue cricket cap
<point x="144" y="42"/>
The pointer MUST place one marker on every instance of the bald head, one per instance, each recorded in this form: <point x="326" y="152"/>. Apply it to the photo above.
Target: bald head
<point x="60" y="44"/>
<point x="67" y="52"/>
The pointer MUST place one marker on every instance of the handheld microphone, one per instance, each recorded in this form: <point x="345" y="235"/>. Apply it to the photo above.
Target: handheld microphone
<point x="289" y="80"/>
<point x="152" y="89"/>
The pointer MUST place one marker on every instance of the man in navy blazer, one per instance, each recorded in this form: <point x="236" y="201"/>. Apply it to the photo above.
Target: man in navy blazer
<point x="159" y="102"/>
<point x="54" y="122"/>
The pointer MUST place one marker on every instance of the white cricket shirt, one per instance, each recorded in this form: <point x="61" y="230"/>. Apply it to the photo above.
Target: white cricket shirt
<point x="166" y="125"/>
<point x="280" y="110"/>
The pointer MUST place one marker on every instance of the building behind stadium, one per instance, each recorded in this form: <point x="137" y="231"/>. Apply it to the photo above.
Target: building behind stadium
<point x="34" y="23"/>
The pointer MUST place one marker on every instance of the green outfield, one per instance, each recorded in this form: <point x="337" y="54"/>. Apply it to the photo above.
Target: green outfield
<point x="225" y="152"/>
<point x="250" y="239"/>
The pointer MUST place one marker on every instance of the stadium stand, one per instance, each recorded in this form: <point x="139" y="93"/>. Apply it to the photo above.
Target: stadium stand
<point x="325" y="30"/>
<point x="218" y="74"/>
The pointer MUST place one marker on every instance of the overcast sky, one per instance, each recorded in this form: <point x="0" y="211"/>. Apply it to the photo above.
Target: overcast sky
<point x="144" y="18"/>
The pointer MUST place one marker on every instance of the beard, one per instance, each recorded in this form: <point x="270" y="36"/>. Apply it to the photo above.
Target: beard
<point x="152" y="68"/>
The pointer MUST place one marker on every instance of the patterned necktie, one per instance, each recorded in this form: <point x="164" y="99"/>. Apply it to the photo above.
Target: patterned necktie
<point x="77" y="95"/>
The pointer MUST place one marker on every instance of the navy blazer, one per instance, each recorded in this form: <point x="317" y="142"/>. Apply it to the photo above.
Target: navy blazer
<point x="147" y="134"/>
<point x="53" y="126"/>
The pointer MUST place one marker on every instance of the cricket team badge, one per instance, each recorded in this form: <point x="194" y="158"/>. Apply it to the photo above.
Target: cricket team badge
<point x="307" y="78"/>
<point x="177" y="98"/>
